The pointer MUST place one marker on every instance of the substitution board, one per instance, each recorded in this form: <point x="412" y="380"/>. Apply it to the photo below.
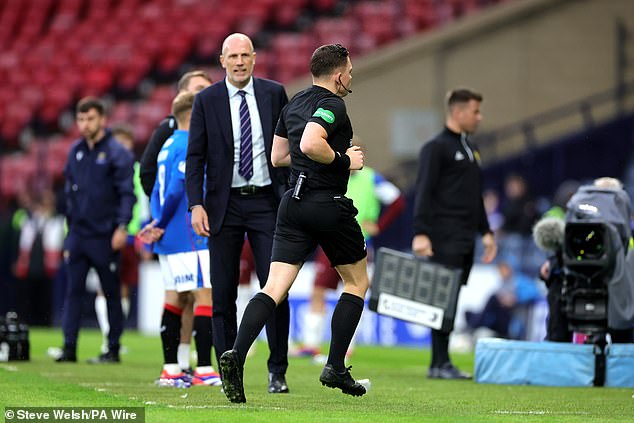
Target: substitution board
<point x="414" y="289"/>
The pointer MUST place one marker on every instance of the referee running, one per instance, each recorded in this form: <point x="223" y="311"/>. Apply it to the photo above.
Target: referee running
<point x="313" y="137"/>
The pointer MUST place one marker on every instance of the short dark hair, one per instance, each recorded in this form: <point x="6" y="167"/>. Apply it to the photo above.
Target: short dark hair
<point x="124" y="129"/>
<point x="184" y="81"/>
<point x="182" y="104"/>
<point x="88" y="103"/>
<point x="327" y="58"/>
<point x="462" y="95"/>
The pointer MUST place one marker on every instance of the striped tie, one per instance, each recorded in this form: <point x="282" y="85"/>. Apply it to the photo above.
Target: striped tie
<point x="246" y="146"/>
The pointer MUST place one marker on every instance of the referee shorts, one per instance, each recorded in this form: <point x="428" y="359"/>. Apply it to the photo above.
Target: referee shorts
<point x="319" y="218"/>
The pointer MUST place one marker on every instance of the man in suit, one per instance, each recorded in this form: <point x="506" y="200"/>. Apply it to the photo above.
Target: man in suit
<point x="231" y="136"/>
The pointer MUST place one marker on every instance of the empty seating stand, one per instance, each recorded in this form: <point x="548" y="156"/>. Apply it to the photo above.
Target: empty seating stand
<point x="53" y="52"/>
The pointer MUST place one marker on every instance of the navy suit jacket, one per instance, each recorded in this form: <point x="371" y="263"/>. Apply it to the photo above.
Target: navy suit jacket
<point x="211" y="145"/>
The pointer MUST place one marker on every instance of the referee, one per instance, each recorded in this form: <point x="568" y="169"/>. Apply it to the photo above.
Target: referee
<point x="313" y="136"/>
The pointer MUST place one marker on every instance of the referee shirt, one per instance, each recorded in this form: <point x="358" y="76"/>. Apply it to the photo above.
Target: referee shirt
<point x="319" y="105"/>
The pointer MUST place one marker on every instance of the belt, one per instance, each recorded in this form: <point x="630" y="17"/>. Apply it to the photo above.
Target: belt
<point x="251" y="189"/>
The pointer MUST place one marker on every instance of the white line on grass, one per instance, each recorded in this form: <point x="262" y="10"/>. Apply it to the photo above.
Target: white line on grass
<point x="225" y="406"/>
<point x="541" y="412"/>
<point x="9" y="367"/>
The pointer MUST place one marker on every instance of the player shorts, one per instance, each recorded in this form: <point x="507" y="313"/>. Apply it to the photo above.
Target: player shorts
<point x="184" y="272"/>
<point x="319" y="218"/>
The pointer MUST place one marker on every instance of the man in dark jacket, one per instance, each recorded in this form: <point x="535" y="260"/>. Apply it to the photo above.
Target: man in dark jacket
<point x="99" y="196"/>
<point x="449" y="211"/>
<point x="230" y="141"/>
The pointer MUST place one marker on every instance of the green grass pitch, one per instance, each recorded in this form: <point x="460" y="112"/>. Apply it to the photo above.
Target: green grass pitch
<point x="400" y="391"/>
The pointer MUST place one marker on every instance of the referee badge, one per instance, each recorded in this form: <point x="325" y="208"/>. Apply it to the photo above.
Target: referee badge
<point x="326" y="115"/>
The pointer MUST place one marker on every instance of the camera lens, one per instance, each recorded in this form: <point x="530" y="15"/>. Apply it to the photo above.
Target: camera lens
<point x="586" y="242"/>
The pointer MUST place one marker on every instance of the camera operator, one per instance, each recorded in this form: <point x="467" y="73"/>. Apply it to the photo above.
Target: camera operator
<point x="549" y="235"/>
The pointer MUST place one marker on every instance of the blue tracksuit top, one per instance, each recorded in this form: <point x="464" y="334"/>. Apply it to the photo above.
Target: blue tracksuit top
<point x="168" y="203"/>
<point x="99" y="188"/>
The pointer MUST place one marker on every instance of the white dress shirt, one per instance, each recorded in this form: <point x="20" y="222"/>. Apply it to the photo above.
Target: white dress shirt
<point x="261" y="175"/>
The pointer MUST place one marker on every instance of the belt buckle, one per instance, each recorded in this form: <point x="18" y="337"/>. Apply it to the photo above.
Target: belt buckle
<point x="248" y="189"/>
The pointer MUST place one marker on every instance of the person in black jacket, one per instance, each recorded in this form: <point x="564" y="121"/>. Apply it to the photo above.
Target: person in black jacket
<point x="193" y="82"/>
<point x="449" y="211"/>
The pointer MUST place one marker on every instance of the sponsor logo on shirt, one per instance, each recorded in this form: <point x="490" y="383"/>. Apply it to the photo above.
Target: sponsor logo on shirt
<point x="181" y="166"/>
<point x="79" y="155"/>
<point x="184" y="278"/>
<point x="459" y="156"/>
<point x="326" y="115"/>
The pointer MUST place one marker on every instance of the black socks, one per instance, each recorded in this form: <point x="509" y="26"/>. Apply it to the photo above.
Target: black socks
<point x="202" y="335"/>
<point x="439" y="348"/>
<point x="345" y="319"/>
<point x="170" y="335"/>
<point x="255" y="316"/>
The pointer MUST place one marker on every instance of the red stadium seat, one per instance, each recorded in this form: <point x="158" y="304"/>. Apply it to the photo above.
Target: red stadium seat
<point x="54" y="51"/>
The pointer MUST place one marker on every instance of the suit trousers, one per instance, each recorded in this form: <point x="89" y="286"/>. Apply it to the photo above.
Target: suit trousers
<point x="80" y="254"/>
<point x="253" y="215"/>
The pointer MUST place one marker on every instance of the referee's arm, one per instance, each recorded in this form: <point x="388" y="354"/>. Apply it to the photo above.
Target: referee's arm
<point x="314" y="144"/>
<point x="280" y="153"/>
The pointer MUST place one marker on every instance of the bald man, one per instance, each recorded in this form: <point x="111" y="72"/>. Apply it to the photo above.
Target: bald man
<point x="230" y="141"/>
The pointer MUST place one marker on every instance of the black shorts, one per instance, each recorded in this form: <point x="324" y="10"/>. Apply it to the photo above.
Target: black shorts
<point x="319" y="218"/>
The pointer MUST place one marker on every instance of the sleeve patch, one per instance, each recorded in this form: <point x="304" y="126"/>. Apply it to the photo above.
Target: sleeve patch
<point x="326" y="115"/>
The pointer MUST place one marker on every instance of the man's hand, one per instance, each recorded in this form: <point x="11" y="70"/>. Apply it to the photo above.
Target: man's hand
<point x="421" y="246"/>
<point x="490" y="248"/>
<point x="150" y="233"/>
<point x="544" y="270"/>
<point x="356" y="157"/>
<point x="370" y="228"/>
<point x="119" y="238"/>
<point x="200" y="221"/>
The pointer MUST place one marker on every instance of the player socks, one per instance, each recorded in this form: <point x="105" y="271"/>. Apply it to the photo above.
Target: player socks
<point x="314" y="323"/>
<point x="183" y="356"/>
<point x="255" y="316"/>
<point x="203" y="334"/>
<point x="345" y="319"/>
<point x="170" y="333"/>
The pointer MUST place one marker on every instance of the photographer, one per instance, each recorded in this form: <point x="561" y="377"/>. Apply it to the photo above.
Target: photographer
<point x="558" y="274"/>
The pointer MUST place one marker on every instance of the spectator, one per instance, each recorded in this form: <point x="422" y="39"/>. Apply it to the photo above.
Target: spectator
<point x="518" y="208"/>
<point x="505" y="312"/>
<point x="39" y="258"/>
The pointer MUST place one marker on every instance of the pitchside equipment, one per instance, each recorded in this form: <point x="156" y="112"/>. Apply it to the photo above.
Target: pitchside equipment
<point x="414" y="289"/>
